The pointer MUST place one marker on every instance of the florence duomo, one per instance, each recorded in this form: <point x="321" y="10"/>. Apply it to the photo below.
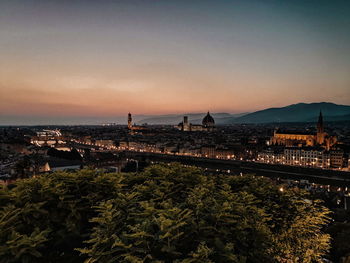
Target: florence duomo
<point x="208" y="124"/>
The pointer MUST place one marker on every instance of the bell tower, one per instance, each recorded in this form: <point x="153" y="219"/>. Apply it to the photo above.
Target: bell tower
<point x="186" y="125"/>
<point x="129" y="121"/>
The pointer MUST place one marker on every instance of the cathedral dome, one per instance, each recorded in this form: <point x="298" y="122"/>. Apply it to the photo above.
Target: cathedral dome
<point x="208" y="120"/>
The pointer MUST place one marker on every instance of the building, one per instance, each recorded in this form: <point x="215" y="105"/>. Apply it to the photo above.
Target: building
<point x="208" y="124"/>
<point x="271" y="156"/>
<point x="337" y="158"/>
<point x="212" y="151"/>
<point x="104" y="142"/>
<point x="321" y="138"/>
<point x="208" y="151"/>
<point x="316" y="157"/>
<point x="57" y="164"/>
<point x="134" y="128"/>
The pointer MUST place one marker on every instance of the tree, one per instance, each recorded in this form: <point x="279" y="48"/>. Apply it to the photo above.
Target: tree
<point x="43" y="219"/>
<point x="176" y="214"/>
<point x="167" y="213"/>
<point x="22" y="167"/>
<point x="68" y="155"/>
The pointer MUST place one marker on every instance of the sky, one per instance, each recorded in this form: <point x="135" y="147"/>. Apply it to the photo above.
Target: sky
<point x="85" y="61"/>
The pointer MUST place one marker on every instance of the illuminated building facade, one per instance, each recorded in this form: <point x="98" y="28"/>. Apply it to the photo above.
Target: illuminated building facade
<point x="315" y="157"/>
<point x="321" y="138"/>
<point x="309" y="157"/>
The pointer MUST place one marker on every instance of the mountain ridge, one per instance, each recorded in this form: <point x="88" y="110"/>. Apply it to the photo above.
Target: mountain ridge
<point x="195" y="118"/>
<point x="298" y="112"/>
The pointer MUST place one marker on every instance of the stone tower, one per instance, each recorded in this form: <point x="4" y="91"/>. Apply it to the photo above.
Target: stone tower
<point x="129" y="121"/>
<point x="186" y="124"/>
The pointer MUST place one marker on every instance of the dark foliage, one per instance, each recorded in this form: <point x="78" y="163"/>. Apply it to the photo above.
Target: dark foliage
<point x="68" y="155"/>
<point x="164" y="214"/>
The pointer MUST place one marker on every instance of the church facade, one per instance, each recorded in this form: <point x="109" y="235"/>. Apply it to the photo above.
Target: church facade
<point x="321" y="138"/>
<point x="208" y="124"/>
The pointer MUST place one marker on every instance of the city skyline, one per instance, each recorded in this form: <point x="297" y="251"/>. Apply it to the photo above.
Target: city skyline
<point x="68" y="60"/>
<point x="175" y="131"/>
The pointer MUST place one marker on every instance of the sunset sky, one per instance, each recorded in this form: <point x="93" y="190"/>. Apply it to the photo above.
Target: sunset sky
<point x="101" y="59"/>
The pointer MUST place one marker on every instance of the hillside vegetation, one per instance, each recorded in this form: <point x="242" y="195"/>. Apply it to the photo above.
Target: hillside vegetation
<point x="168" y="213"/>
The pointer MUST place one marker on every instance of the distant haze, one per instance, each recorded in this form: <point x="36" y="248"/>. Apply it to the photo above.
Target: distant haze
<point x="301" y="112"/>
<point x="90" y="61"/>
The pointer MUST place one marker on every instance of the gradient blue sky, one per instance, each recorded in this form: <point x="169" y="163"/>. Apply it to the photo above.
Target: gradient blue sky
<point x="63" y="59"/>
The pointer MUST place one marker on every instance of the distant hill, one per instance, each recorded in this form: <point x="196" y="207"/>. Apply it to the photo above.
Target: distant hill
<point x="334" y="118"/>
<point x="195" y="118"/>
<point x="301" y="112"/>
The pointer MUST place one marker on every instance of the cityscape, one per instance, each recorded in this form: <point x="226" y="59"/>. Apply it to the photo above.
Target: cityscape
<point x="251" y="143"/>
<point x="174" y="131"/>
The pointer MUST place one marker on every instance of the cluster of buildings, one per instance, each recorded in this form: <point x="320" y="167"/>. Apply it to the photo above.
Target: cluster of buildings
<point x="199" y="140"/>
<point x="305" y="139"/>
<point x="133" y="127"/>
<point x="208" y="124"/>
<point x="315" y="157"/>
<point x="31" y="150"/>
<point x="24" y="152"/>
<point x="307" y="149"/>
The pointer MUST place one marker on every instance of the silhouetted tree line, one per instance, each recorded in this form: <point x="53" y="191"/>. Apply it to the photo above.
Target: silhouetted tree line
<point x="68" y="155"/>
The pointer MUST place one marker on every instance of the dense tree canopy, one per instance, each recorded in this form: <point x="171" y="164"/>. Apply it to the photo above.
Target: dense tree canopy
<point x="167" y="213"/>
<point x="68" y="155"/>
